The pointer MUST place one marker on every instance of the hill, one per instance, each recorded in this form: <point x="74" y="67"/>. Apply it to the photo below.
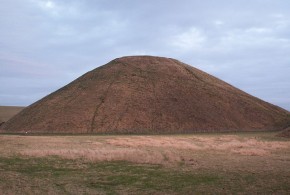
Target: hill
<point x="285" y="133"/>
<point x="145" y="94"/>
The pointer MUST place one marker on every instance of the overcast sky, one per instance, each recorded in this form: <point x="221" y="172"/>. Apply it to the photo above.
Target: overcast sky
<point x="45" y="44"/>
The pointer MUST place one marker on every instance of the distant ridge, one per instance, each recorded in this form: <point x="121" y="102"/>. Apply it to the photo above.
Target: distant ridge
<point x="7" y="112"/>
<point x="146" y="94"/>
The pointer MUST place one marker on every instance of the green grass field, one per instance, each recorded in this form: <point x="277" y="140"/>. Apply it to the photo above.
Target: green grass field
<point x="237" y="163"/>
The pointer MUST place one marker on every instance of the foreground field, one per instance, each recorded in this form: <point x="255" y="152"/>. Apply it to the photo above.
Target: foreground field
<point x="180" y="164"/>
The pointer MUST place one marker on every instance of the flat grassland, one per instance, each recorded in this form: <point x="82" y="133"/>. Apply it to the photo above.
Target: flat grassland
<point x="233" y="163"/>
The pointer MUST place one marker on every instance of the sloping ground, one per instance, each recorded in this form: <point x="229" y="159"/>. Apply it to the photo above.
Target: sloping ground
<point x="144" y="94"/>
<point x="285" y="133"/>
<point x="7" y="112"/>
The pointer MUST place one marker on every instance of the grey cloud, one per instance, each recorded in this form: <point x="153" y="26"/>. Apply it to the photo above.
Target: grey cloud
<point x="46" y="43"/>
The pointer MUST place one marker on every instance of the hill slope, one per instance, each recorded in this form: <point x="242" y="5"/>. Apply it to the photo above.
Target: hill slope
<point x="285" y="133"/>
<point x="144" y="94"/>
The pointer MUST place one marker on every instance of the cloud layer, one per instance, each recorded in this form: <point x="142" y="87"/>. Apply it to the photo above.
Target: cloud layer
<point x="44" y="44"/>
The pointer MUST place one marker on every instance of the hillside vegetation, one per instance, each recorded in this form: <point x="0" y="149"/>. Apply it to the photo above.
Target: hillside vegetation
<point x="148" y="95"/>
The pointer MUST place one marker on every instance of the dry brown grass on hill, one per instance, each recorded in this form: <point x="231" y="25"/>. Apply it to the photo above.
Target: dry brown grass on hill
<point x="147" y="95"/>
<point x="285" y="133"/>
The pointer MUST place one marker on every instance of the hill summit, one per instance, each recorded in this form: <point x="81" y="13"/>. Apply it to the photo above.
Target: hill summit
<point x="145" y="94"/>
